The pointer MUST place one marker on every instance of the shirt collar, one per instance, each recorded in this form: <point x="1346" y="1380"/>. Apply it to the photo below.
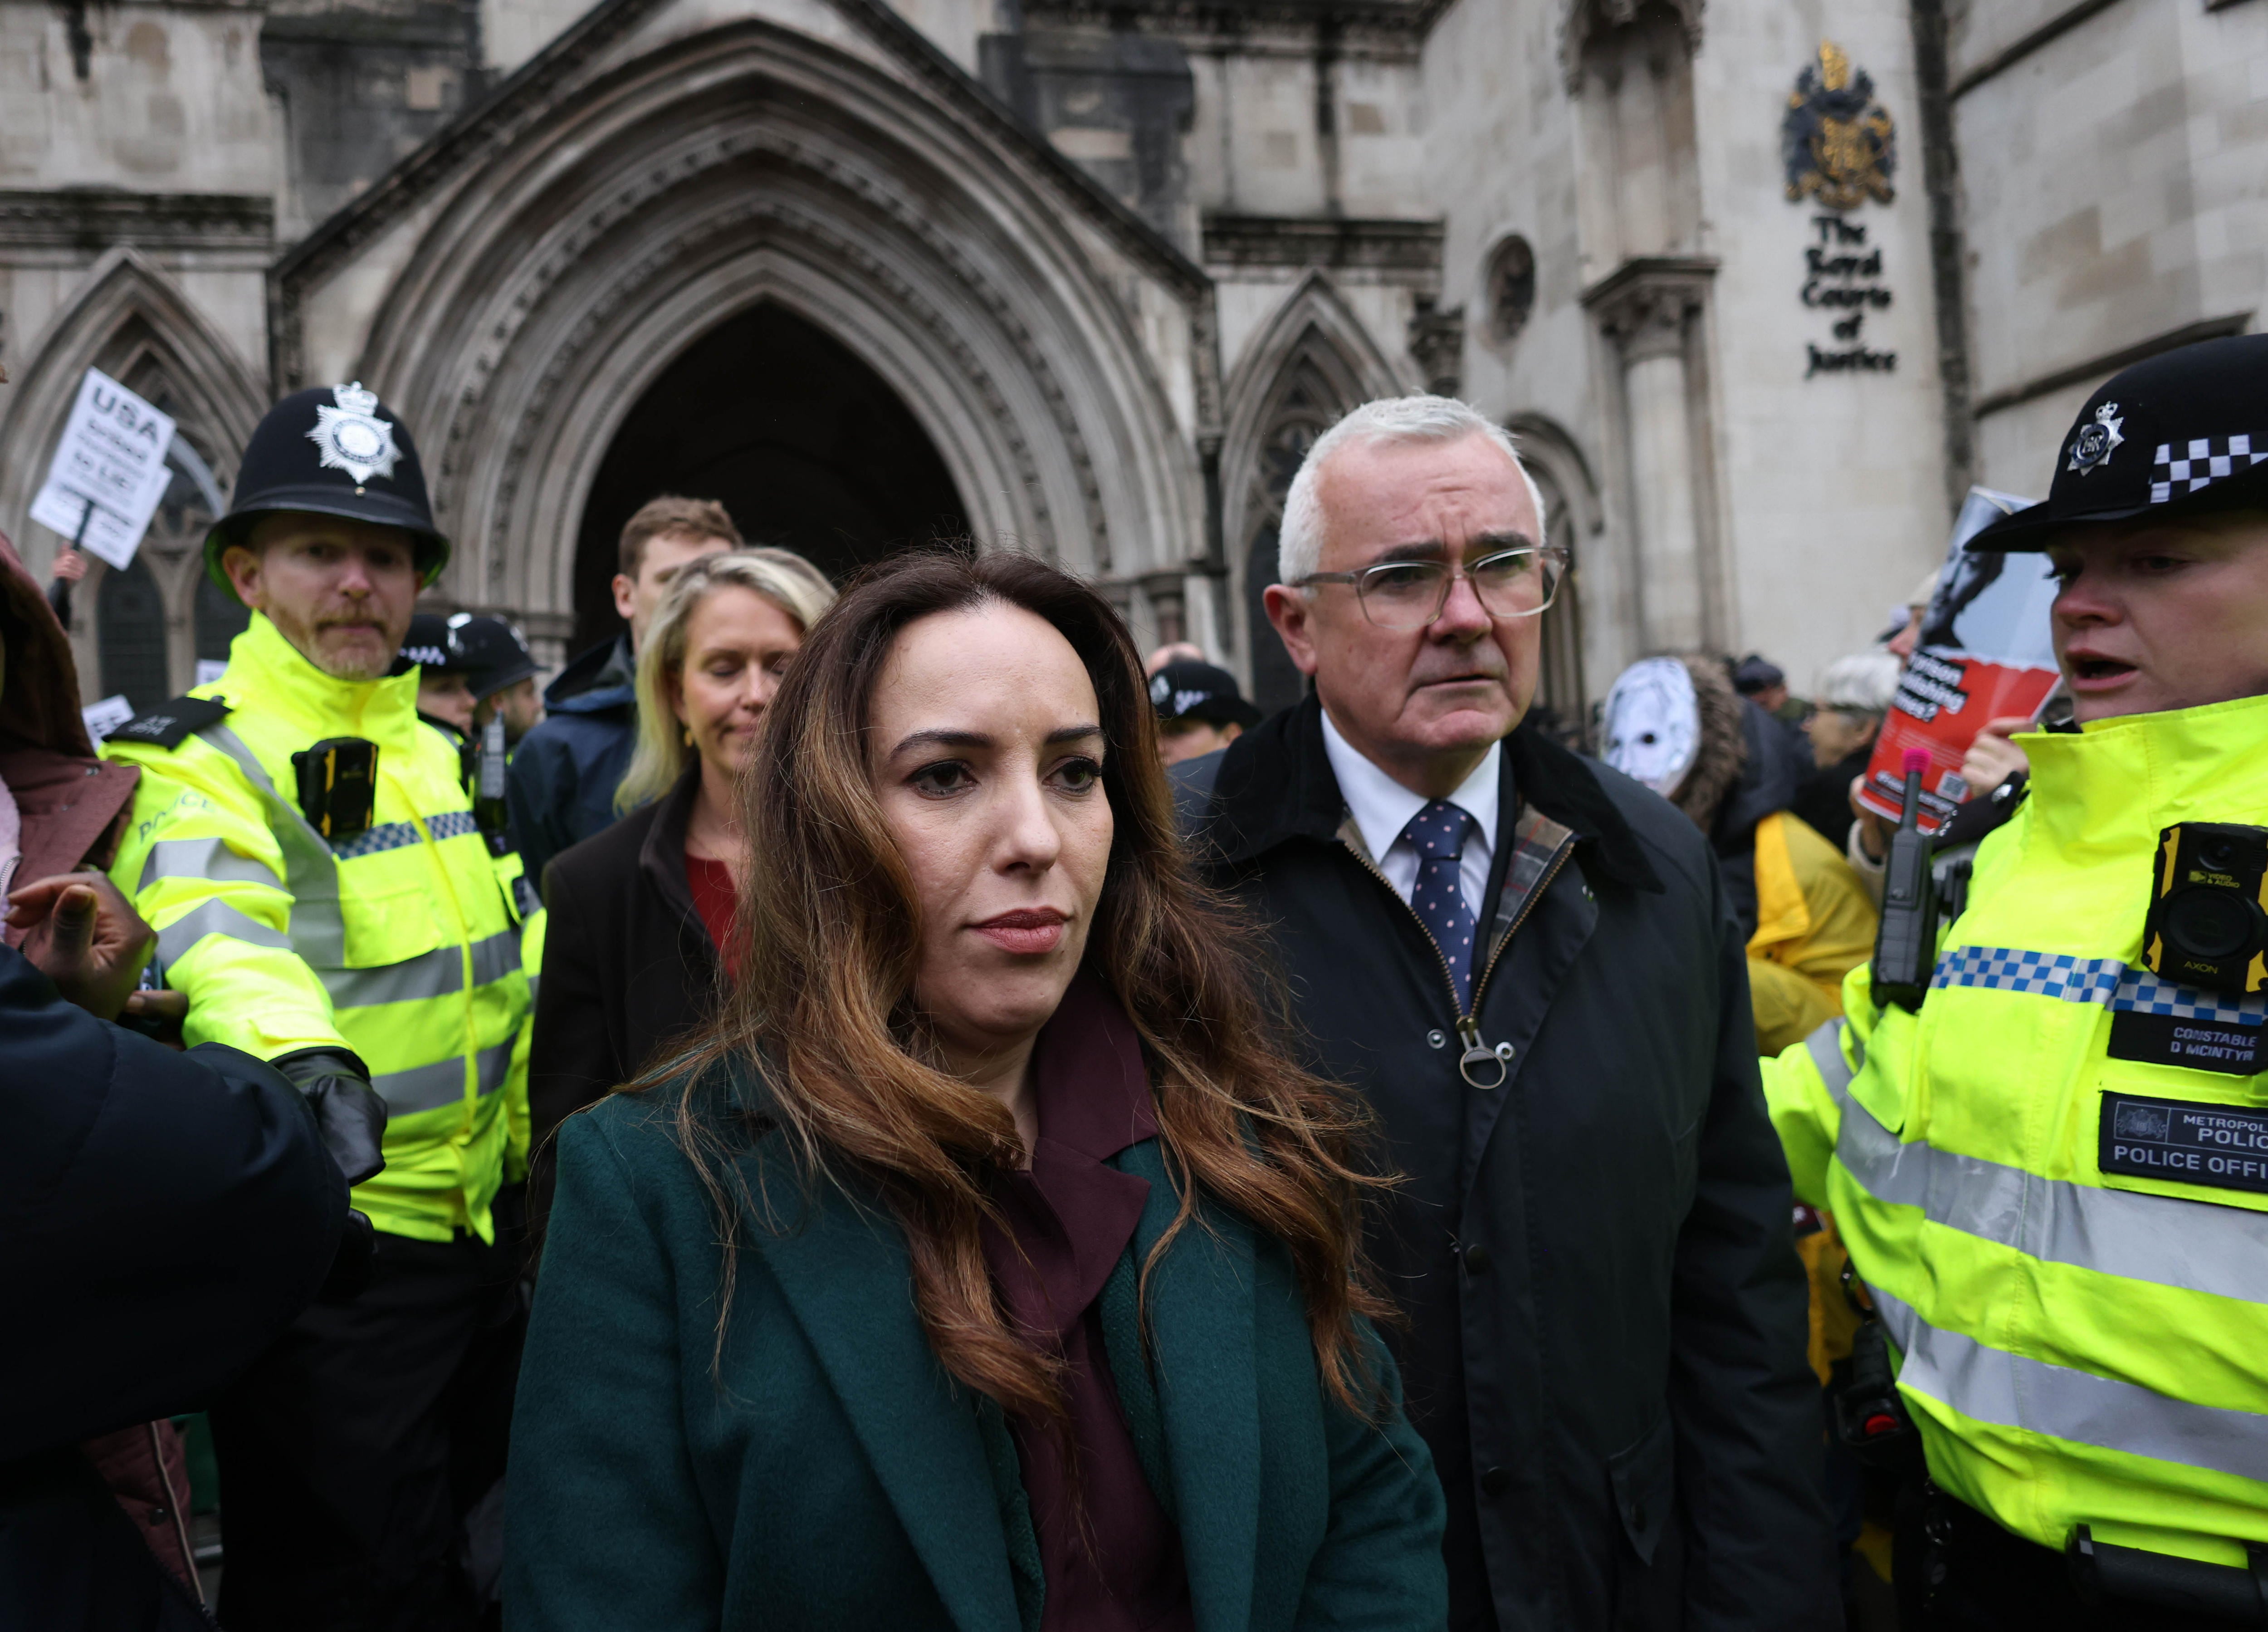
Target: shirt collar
<point x="1381" y="807"/>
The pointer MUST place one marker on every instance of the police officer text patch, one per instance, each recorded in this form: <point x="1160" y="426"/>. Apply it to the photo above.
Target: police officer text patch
<point x="2223" y="1146"/>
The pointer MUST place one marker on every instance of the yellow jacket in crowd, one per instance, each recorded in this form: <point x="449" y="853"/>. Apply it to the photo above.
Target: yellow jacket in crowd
<point x="1815" y="924"/>
<point x="402" y="944"/>
<point x="2080" y="1339"/>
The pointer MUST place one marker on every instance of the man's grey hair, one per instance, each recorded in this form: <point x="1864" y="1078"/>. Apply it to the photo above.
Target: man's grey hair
<point x="1862" y="684"/>
<point x="1389" y="421"/>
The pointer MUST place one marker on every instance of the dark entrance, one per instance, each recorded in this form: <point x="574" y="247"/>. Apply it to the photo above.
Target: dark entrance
<point x="803" y="444"/>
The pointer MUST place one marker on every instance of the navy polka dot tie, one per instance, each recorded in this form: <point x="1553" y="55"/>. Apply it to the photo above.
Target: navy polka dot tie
<point x="1438" y="834"/>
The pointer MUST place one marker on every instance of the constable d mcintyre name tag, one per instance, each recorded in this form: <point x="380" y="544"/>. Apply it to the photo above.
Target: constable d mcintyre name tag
<point x="2199" y="1044"/>
<point x="2221" y="1145"/>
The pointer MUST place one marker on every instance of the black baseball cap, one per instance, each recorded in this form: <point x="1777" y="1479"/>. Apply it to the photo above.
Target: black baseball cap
<point x="1188" y="690"/>
<point x="489" y="650"/>
<point x="2187" y="430"/>
<point x="1753" y="674"/>
<point x="427" y="646"/>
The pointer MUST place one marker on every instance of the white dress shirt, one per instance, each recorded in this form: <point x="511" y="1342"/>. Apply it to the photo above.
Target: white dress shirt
<point x="1382" y="807"/>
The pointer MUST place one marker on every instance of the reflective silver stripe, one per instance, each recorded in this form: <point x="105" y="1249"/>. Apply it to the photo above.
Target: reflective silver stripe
<point x="215" y="918"/>
<point x="1993" y="1386"/>
<point x="319" y="930"/>
<point x="436" y="973"/>
<point x="426" y="1088"/>
<point x="2167" y="1241"/>
<point x="209" y="859"/>
<point x="1826" y="1046"/>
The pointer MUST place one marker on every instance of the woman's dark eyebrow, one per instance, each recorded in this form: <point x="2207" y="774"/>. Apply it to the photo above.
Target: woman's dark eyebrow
<point x="945" y="737"/>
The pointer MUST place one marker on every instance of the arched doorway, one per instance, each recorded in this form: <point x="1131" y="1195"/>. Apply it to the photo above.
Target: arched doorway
<point x="805" y="445"/>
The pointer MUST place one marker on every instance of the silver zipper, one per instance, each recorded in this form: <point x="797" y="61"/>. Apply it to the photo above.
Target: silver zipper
<point x="1477" y="1053"/>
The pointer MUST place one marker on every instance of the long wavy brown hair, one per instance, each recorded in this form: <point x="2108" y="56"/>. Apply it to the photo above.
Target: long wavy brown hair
<point x="824" y="1008"/>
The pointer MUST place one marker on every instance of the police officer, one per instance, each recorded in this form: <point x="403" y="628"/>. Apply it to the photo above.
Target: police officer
<point x="305" y="849"/>
<point x="445" y="676"/>
<point x="501" y="673"/>
<point x="2050" y="1162"/>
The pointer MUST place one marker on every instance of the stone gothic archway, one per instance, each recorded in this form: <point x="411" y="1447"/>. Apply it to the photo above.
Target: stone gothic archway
<point x="542" y="268"/>
<point x="1311" y="363"/>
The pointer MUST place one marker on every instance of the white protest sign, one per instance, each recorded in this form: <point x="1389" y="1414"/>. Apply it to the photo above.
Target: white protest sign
<point x="109" y="472"/>
<point x="107" y="716"/>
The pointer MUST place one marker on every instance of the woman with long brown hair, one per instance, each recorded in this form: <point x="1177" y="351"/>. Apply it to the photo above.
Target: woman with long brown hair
<point x="984" y="1265"/>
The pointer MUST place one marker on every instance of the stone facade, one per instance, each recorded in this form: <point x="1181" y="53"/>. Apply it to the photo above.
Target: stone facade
<point x="1117" y="263"/>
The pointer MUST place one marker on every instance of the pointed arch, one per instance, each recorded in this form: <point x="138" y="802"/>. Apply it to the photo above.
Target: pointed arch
<point x="1308" y="366"/>
<point x="134" y="322"/>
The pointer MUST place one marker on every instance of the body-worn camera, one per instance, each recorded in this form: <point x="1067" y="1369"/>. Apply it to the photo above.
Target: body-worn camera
<point x="2208" y="923"/>
<point x="338" y="785"/>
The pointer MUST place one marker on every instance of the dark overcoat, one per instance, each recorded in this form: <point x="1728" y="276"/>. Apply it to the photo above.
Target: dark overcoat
<point x="628" y="965"/>
<point x="1608" y="1317"/>
<point x="818" y="1469"/>
<point x="560" y="787"/>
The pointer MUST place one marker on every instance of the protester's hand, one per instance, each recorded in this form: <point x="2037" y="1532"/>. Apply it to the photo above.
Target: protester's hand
<point x="85" y="937"/>
<point x="1873" y="832"/>
<point x="1993" y="758"/>
<point x="71" y="566"/>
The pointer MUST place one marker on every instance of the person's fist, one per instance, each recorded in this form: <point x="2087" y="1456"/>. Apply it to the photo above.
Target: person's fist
<point x="71" y="566"/>
<point x="85" y="936"/>
<point x="1992" y="760"/>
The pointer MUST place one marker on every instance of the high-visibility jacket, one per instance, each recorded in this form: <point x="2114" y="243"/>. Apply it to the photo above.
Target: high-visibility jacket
<point x="1815" y="924"/>
<point x="2079" y="1342"/>
<point x="402" y="944"/>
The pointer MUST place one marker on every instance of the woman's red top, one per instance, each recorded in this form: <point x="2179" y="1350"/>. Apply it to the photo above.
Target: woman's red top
<point x="715" y="899"/>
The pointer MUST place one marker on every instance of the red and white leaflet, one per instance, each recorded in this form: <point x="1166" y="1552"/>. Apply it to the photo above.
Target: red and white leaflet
<point x="1984" y="651"/>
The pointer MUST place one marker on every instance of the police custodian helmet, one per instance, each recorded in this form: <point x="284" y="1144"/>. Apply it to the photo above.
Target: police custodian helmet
<point x="2184" y="430"/>
<point x="334" y="450"/>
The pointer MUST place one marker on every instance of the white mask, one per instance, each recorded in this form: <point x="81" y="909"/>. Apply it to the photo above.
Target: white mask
<point x="1653" y="727"/>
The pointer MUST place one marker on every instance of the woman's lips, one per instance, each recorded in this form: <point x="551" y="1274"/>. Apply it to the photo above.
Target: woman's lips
<point x="1026" y="933"/>
<point x="2088" y="673"/>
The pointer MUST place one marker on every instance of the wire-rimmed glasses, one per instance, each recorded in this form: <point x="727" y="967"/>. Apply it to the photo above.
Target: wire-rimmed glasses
<point x="1410" y="595"/>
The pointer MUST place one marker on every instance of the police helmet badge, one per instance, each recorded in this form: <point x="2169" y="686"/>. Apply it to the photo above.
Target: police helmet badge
<point x="351" y="437"/>
<point x="1161" y="689"/>
<point x="1837" y="143"/>
<point x="2096" y="439"/>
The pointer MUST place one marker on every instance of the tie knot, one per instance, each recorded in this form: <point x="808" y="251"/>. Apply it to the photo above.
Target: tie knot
<point x="1437" y="831"/>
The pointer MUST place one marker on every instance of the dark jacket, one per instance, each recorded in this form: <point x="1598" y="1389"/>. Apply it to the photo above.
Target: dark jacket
<point x="1773" y="763"/>
<point x="818" y="1469"/>
<point x="628" y="965"/>
<point x="1608" y="1317"/>
<point x="560" y="788"/>
<point x="163" y="1217"/>
<point x="69" y="801"/>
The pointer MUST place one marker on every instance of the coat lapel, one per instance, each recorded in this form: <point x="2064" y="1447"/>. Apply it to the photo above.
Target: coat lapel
<point x="844" y="1271"/>
<point x="1200" y="1312"/>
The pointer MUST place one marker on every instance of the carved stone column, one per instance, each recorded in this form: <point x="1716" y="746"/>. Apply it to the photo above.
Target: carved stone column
<point x="1649" y="315"/>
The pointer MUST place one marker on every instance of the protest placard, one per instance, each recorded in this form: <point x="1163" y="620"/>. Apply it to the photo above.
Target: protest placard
<point x="1984" y="651"/>
<point x="109" y="471"/>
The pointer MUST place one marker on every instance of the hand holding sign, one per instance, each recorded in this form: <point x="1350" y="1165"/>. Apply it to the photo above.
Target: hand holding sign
<point x="109" y="471"/>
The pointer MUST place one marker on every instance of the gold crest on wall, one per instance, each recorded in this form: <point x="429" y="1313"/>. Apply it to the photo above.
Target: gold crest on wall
<point x="1839" y="144"/>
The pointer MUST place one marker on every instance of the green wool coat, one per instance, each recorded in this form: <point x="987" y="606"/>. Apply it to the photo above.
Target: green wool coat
<point x="828" y="1473"/>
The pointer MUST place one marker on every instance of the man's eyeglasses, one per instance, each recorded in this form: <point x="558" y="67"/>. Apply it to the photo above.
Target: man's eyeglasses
<point x="1410" y="595"/>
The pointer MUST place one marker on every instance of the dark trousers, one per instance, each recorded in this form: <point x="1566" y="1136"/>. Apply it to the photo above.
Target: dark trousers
<point x="351" y="1453"/>
<point x="1955" y="1570"/>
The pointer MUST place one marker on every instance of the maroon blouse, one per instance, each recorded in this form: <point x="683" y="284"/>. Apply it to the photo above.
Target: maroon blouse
<point x="1069" y="1220"/>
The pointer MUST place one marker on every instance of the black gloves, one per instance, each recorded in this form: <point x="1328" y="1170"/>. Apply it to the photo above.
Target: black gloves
<point x="347" y="1107"/>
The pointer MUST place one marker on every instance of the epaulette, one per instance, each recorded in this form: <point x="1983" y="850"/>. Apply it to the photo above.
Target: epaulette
<point x="1980" y="817"/>
<point x="170" y="724"/>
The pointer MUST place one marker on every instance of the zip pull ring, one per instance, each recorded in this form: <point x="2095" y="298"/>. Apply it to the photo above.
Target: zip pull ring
<point x="1481" y="1066"/>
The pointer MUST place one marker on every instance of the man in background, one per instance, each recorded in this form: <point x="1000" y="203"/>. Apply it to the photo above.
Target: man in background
<point x="562" y="780"/>
<point x="445" y="690"/>
<point x="500" y="672"/>
<point x="1200" y="710"/>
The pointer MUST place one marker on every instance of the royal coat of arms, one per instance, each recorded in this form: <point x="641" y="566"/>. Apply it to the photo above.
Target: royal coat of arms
<point x="1837" y="142"/>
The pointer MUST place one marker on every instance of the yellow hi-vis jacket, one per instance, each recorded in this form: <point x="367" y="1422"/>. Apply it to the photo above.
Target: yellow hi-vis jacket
<point x="2081" y="1340"/>
<point x="1815" y="924"/>
<point x="402" y="944"/>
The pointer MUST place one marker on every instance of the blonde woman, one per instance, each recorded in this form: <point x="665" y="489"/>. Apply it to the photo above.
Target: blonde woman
<point x="638" y="911"/>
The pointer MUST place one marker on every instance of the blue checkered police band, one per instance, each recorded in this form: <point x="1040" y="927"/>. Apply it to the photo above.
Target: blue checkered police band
<point x="2101" y="980"/>
<point x="2201" y="461"/>
<point x="398" y="835"/>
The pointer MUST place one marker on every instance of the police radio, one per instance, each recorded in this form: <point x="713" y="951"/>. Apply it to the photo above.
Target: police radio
<point x="2208" y="926"/>
<point x="1905" y="945"/>
<point x="488" y="810"/>
<point x="338" y="785"/>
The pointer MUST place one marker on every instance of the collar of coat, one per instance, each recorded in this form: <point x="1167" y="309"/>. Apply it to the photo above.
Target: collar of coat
<point x="1276" y="785"/>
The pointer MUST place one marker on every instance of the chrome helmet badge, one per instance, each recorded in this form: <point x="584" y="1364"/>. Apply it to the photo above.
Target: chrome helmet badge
<point x="2093" y="444"/>
<point x="351" y="437"/>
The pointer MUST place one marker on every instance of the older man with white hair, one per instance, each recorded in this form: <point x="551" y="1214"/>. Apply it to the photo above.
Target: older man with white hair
<point x="1523" y="962"/>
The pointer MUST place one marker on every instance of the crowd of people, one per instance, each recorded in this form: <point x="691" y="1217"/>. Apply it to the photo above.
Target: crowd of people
<point x="878" y="1105"/>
